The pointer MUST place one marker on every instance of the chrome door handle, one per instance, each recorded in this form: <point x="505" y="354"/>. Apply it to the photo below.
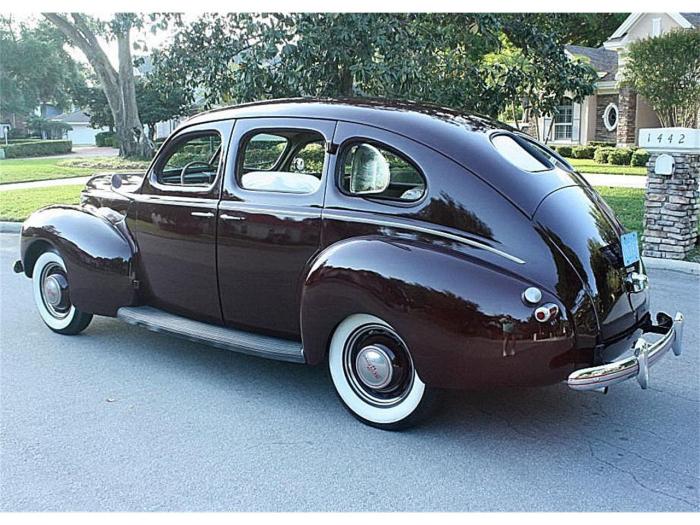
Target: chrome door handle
<point x="227" y="217"/>
<point x="202" y="214"/>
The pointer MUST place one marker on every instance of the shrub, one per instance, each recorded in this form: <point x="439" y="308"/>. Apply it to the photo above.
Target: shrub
<point x="106" y="139"/>
<point x="620" y="157"/>
<point x="640" y="157"/>
<point x="37" y="149"/>
<point x="564" y="151"/>
<point x="583" y="152"/>
<point x="601" y="154"/>
<point x="602" y="144"/>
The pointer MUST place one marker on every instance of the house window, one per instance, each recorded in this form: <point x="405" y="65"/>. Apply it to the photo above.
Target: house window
<point x="656" y="27"/>
<point x="564" y="121"/>
<point x="610" y="117"/>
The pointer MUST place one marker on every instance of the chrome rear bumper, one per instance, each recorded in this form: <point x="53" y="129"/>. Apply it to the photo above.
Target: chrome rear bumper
<point x="645" y="355"/>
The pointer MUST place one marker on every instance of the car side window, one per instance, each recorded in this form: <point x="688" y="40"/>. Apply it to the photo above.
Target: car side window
<point x="283" y="161"/>
<point x="374" y="170"/>
<point x="193" y="161"/>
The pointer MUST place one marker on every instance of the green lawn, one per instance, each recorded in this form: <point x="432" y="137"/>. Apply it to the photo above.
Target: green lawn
<point x="628" y="205"/>
<point x="591" y="166"/>
<point x="17" y="205"/>
<point x="25" y="170"/>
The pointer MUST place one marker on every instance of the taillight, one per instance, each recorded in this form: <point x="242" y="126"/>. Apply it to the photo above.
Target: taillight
<point x="546" y="312"/>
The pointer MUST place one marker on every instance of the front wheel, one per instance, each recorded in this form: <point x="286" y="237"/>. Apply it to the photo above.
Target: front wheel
<point x="374" y="376"/>
<point x="52" y="296"/>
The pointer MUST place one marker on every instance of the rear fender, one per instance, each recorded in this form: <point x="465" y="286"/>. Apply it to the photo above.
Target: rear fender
<point x="463" y="320"/>
<point x="96" y="247"/>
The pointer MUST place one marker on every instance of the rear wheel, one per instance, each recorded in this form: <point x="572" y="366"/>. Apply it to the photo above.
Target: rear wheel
<point x="374" y="376"/>
<point x="52" y="296"/>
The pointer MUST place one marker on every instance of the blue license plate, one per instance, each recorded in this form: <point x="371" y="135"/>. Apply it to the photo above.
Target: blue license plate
<point x="630" y="248"/>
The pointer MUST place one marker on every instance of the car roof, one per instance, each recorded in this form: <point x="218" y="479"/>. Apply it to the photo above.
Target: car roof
<point x="393" y="115"/>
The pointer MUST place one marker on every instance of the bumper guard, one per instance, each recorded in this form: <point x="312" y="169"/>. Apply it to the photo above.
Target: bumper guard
<point x="637" y="365"/>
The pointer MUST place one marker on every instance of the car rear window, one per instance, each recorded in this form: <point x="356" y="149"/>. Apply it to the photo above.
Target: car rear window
<point x="518" y="155"/>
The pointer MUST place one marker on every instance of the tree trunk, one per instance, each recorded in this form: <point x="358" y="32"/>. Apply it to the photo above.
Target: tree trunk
<point x="346" y="82"/>
<point x="119" y="88"/>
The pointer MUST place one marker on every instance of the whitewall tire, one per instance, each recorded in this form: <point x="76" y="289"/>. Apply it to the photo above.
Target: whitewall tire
<point x="52" y="296"/>
<point x="373" y="373"/>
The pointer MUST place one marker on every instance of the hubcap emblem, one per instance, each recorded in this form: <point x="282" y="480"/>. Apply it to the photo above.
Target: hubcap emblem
<point x="373" y="366"/>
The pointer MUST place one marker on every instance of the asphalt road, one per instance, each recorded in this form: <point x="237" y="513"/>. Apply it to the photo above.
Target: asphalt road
<point x="119" y="418"/>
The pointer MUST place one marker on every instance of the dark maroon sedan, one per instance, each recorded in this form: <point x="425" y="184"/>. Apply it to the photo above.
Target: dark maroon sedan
<point x="411" y="247"/>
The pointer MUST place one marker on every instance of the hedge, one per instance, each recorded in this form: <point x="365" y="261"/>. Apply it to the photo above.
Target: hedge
<point x="37" y="149"/>
<point x="564" y="151"/>
<point x="601" y="155"/>
<point x="596" y="144"/>
<point x="106" y="139"/>
<point x="620" y="157"/>
<point x="640" y="157"/>
<point x="583" y="152"/>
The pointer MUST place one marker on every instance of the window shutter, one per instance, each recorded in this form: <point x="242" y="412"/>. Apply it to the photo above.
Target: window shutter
<point x="546" y="123"/>
<point x="576" y="124"/>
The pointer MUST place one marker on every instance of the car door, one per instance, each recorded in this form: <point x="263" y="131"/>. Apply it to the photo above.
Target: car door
<point x="175" y="222"/>
<point x="270" y="220"/>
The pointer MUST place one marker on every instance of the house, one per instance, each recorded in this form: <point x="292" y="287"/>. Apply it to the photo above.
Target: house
<point x="613" y="113"/>
<point x="82" y="133"/>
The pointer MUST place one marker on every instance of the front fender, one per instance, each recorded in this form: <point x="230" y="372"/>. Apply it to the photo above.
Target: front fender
<point x="463" y="319"/>
<point x="96" y="248"/>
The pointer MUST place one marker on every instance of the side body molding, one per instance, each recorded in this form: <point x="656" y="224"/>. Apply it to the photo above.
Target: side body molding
<point x="97" y="249"/>
<point x="463" y="319"/>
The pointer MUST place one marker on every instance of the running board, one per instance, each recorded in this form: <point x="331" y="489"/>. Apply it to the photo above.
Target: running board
<point x="212" y="335"/>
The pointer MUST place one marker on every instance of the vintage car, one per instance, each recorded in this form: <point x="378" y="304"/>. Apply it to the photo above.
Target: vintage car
<point x="413" y="248"/>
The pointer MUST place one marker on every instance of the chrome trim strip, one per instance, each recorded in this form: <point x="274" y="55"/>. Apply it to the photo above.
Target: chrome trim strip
<point x="645" y="355"/>
<point x="428" y="231"/>
<point x="202" y="214"/>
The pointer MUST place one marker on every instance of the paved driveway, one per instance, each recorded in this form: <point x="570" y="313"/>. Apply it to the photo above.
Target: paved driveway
<point x="123" y="419"/>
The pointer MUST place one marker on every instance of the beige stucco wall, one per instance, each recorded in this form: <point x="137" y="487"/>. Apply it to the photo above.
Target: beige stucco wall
<point x="588" y="119"/>
<point x="646" y="117"/>
<point x="643" y="26"/>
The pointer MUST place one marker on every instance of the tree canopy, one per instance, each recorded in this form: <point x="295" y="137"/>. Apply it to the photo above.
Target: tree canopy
<point x="665" y="70"/>
<point x="34" y="68"/>
<point x="449" y="59"/>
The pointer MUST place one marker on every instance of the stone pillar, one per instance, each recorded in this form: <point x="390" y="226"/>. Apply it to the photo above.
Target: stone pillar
<point x="627" y="117"/>
<point x="671" y="205"/>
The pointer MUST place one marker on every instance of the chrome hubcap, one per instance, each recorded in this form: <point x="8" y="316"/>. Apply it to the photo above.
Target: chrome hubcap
<point x="54" y="291"/>
<point x="377" y="365"/>
<point x="373" y="366"/>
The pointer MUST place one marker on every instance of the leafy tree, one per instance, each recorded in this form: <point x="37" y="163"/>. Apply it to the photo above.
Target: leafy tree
<point x="156" y="103"/>
<point x="440" y="58"/>
<point x="47" y="129"/>
<point x="119" y="85"/>
<point x="665" y="70"/>
<point x="581" y="29"/>
<point x="34" y="68"/>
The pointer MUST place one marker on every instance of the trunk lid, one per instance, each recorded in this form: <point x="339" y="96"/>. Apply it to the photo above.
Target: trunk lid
<point x="587" y="233"/>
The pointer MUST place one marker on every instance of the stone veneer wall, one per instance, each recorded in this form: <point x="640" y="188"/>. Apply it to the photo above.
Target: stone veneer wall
<point x="601" y="132"/>
<point x="671" y="208"/>
<point x="627" y="127"/>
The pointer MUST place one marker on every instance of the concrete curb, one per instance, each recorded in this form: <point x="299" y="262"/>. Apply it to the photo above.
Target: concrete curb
<point x="10" y="227"/>
<point x="688" y="267"/>
<point x="653" y="263"/>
